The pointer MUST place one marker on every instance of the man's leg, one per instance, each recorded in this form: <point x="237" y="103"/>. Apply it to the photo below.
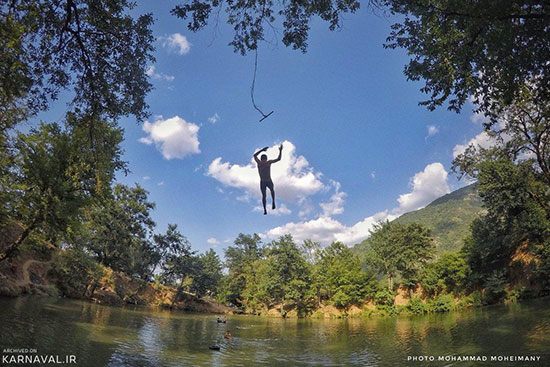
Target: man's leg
<point x="263" y="188"/>
<point x="272" y="195"/>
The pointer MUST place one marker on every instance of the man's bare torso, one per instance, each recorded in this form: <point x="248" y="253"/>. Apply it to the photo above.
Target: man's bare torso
<point x="264" y="169"/>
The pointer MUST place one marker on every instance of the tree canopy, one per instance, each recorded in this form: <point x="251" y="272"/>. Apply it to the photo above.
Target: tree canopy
<point x="94" y="47"/>
<point x="396" y="249"/>
<point x="480" y="49"/>
<point x="461" y="49"/>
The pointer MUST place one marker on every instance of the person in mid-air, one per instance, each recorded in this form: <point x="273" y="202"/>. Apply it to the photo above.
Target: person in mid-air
<point x="264" y="169"/>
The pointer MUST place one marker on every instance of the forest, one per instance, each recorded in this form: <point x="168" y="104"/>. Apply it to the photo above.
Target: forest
<point x="58" y="185"/>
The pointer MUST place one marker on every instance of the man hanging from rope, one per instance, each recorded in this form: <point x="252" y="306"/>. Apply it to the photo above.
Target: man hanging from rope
<point x="264" y="169"/>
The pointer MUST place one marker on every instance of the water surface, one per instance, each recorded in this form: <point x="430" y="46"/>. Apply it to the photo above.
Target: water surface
<point x="112" y="336"/>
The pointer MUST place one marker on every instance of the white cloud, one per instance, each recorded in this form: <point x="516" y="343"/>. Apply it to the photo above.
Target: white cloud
<point x="360" y="230"/>
<point x="159" y="76"/>
<point x="245" y="198"/>
<point x="173" y="137"/>
<point x="214" y="118"/>
<point x="322" y="229"/>
<point x="432" y="130"/>
<point x="306" y="208"/>
<point x="161" y="183"/>
<point x="373" y="175"/>
<point x="336" y="203"/>
<point x="281" y="210"/>
<point x="213" y="241"/>
<point x="427" y="186"/>
<point x="482" y="140"/>
<point x="326" y="229"/>
<point x="176" y="43"/>
<point x="145" y="178"/>
<point x="294" y="178"/>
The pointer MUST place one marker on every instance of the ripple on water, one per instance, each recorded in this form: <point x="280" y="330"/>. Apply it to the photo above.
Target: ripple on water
<point x="115" y="337"/>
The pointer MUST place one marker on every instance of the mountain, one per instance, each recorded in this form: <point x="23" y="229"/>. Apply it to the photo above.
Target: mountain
<point x="449" y="217"/>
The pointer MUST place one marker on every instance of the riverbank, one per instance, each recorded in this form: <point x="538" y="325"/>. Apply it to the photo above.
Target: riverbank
<point x="42" y="269"/>
<point x="28" y="276"/>
<point x="38" y="269"/>
<point x="33" y="273"/>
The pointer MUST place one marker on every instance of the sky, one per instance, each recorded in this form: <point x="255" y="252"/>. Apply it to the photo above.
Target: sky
<point x="357" y="146"/>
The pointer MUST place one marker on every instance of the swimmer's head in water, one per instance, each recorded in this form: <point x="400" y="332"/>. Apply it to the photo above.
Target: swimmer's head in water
<point x="264" y="157"/>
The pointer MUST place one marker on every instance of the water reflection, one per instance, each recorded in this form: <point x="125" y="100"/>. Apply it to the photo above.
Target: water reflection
<point x="112" y="336"/>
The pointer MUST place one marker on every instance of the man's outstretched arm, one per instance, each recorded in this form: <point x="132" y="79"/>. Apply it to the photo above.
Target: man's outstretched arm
<point x="280" y="154"/>
<point x="258" y="152"/>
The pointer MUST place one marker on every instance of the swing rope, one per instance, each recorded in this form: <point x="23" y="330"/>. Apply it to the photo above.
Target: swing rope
<point x="264" y="116"/>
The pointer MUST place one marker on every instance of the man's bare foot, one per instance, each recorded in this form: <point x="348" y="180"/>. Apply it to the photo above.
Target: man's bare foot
<point x="273" y="206"/>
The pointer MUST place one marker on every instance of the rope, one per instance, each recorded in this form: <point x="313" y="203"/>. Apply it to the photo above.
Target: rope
<point x="264" y="116"/>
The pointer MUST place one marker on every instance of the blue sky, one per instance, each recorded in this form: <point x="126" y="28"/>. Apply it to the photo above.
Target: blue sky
<point x="358" y="148"/>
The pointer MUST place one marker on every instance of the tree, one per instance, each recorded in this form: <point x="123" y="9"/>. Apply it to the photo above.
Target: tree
<point x="397" y="249"/>
<point x="119" y="230"/>
<point x="461" y="48"/>
<point x="239" y="259"/>
<point x="209" y="273"/>
<point x="55" y="173"/>
<point x="166" y="244"/>
<point x="289" y="275"/>
<point x="249" y="19"/>
<point x="46" y="197"/>
<point x="417" y="247"/>
<point x="97" y="48"/>
<point x="77" y="274"/>
<point x="513" y="191"/>
<point x="51" y="179"/>
<point x="483" y="49"/>
<point x="522" y="138"/>
<point x="450" y="273"/>
<point x="383" y="250"/>
<point x="341" y="278"/>
<point x="514" y="183"/>
<point x="181" y="265"/>
<point x="311" y="251"/>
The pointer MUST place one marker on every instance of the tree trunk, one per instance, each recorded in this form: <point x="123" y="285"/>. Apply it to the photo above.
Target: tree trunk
<point x="11" y="250"/>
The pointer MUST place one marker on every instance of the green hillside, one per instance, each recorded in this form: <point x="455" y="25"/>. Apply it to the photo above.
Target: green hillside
<point x="449" y="217"/>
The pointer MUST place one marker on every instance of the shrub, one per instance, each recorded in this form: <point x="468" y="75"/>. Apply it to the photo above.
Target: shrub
<point x="384" y="297"/>
<point x="512" y="296"/>
<point x="416" y="306"/>
<point x="367" y="312"/>
<point x="318" y="315"/>
<point x="442" y="303"/>
<point x="448" y="274"/>
<point x="384" y="300"/>
<point x="341" y="299"/>
<point x="475" y="299"/>
<point x="495" y="287"/>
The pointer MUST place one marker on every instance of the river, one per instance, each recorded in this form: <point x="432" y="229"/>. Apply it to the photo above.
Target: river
<point x="110" y="336"/>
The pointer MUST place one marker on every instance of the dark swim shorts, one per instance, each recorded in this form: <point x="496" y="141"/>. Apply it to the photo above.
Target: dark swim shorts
<point x="264" y="184"/>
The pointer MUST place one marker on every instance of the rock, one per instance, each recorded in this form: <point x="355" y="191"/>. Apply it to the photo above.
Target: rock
<point x="107" y="297"/>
